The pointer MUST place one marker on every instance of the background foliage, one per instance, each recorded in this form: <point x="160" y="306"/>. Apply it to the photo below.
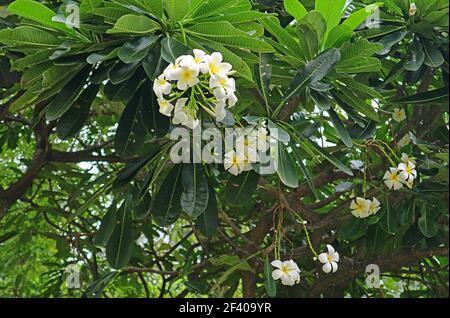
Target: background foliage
<point x="85" y="177"/>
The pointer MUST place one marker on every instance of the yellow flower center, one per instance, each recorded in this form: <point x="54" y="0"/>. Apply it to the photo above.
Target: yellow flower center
<point x="285" y="269"/>
<point x="198" y="60"/>
<point x="187" y="75"/>
<point x="222" y="83"/>
<point x="213" y="68"/>
<point x="330" y="258"/>
<point x="162" y="81"/>
<point x="393" y="177"/>
<point x="164" y="104"/>
<point x="409" y="170"/>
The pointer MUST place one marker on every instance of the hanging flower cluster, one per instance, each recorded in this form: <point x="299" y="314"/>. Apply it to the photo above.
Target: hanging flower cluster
<point x="246" y="150"/>
<point x="404" y="174"/>
<point x="362" y="208"/>
<point x="289" y="272"/>
<point x="195" y="82"/>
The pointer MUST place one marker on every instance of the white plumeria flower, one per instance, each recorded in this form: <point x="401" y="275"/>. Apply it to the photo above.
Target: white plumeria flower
<point x="262" y="138"/>
<point x="173" y="71"/>
<point x="214" y="66"/>
<point x="247" y="163"/>
<point x="232" y="99"/>
<point x="360" y="207"/>
<point x="287" y="271"/>
<point x="248" y="145"/>
<point x="404" y="141"/>
<point x="161" y="86"/>
<point x="188" y="78"/>
<point x="374" y="206"/>
<point x="220" y="110"/>
<point x="180" y="117"/>
<point x="233" y="162"/>
<point x="412" y="9"/>
<point x="223" y="86"/>
<point x="329" y="260"/>
<point x="399" y="115"/>
<point x="393" y="179"/>
<point x="165" y="107"/>
<point x="407" y="171"/>
<point x="197" y="61"/>
<point x="405" y="158"/>
<point x="410" y="183"/>
<point x="356" y="165"/>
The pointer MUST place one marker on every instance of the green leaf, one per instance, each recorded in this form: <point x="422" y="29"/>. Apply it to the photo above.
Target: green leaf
<point x="269" y="283"/>
<point x="272" y="25"/>
<point x="171" y="49"/>
<point x="68" y="95"/>
<point x="153" y="64"/>
<point x="341" y="130"/>
<point x="332" y="11"/>
<point x="130" y="133"/>
<point x="130" y="171"/>
<point x="176" y="9"/>
<point x="436" y="96"/>
<point x="38" y="12"/>
<point x="295" y="9"/>
<point x="240" y="188"/>
<point x="134" y="24"/>
<point x="96" y="288"/>
<point x="427" y="222"/>
<point x="310" y="40"/>
<point x="119" y="246"/>
<point x="313" y="71"/>
<point x="194" y="198"/>
<point x="121" y="72"/>
<point x="356" y="18"/>
<point x="73" y="120"/>
<point x="29" y="36"/>
<point x="263" y="75"/>
<point x="153" y="121"/>
<point x="415" y="57"/>
<point x="332" y="159"/>
<point x="101" y="237"/>
<point x="166" y="207"/>
<point x="337" y="36"/>
<point x="209" y="221"/>
<point x="433" y="57"/>
<point x="359" y="64"/>
<point x="285" y="165"/>
<point x="136" y="50"/>
<point x="225" y="33"/>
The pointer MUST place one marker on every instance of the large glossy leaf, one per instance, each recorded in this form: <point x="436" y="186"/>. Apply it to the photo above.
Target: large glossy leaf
<point x="29" y="36"/>
<point x="130" y="171"/>
<point x="285" y="165"/>
<point x="176" y="9"/>
<point x="269" y="283"/>
<point x="134" y="24"/>
<point x="194" y="198"/>
<point x="137" y="49"/>
<point x="332" y="11"/>
<point x="106" y="228"/>
<point x="313" y="71"/>
<point x="74" y="119"/>
<point x="435" y="96"/>
<point x="130" y="133"/>
<point x="225" y="33"/>
<point x="67" y="96"/>
<point x="171" y="49"/>
<point x="209" y="221"/>
<point x="295" y="9"/>
<point x="240" y="189"/>
<point x="340" y="128"/>
<point x="427" y="222"/>
<point x="152" y="120"/>
<point x="119" y="246"/>
<point x="358" y="17"/>
<point x="38" y="12"/>
<point x="166" y="207"/>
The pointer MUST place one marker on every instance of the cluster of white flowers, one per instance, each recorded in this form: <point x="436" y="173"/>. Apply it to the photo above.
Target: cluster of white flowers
<point x="362" y="208"/>
<point x="195" y="82"/>
<point x="404" y="174"/>
<point x="246" y="151"/>
<point x="289" y="272"/>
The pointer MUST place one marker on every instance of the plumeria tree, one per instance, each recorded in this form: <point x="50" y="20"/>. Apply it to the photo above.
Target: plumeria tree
<point x="224" y="148"/>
